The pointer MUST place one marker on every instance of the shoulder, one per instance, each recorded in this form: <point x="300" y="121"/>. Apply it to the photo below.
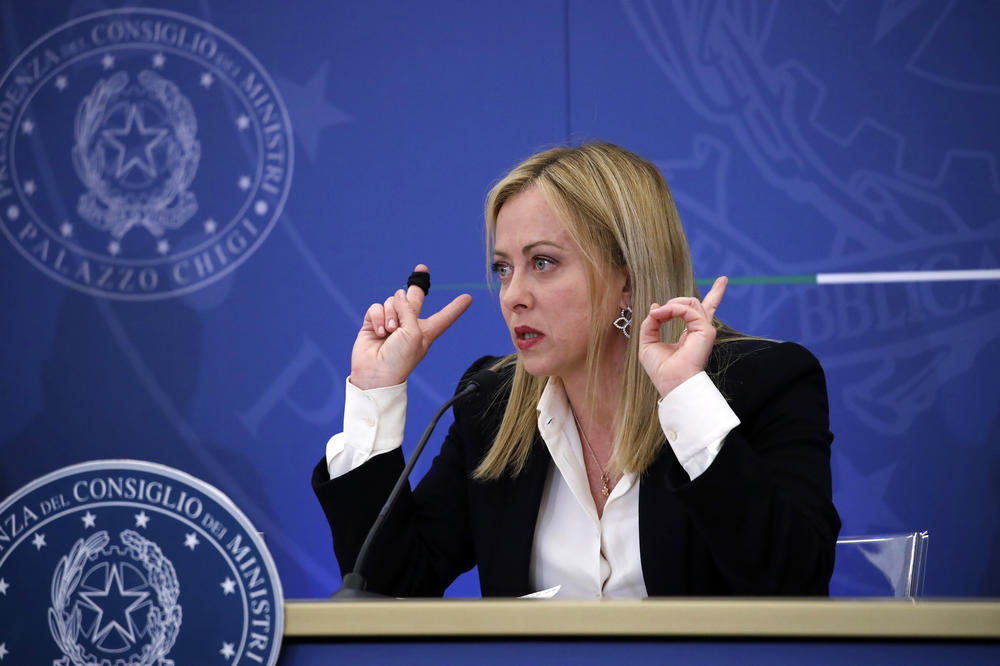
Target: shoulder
<point x="494" y="373"/>
<point x="752" y="373"/>
<point x="502" y="365"/>
<point x="746" y="355"/>
<point x="499" y="372"/>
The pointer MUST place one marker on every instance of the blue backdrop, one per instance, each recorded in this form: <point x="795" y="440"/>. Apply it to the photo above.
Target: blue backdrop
<point x="199" y="201"/>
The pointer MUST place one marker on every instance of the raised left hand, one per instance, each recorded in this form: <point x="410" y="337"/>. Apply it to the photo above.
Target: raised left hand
<point x="670" y="364"/>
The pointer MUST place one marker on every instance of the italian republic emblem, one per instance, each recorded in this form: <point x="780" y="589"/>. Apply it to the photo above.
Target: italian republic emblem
<point x="130" y="563"/>
<point x="180" y="145"/>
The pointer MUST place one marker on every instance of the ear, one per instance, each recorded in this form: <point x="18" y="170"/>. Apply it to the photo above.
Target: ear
<point x="625" y="300"/>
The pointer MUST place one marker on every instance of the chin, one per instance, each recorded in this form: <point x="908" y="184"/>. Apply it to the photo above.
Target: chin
<point x="534" y="367"/>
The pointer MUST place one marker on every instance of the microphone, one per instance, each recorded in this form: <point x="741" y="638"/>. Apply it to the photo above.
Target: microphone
<point x="353" y="585"/>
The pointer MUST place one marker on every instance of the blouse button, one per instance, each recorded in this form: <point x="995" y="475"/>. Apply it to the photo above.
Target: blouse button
<point x="370" y="422"/>
<point x="672" y="436"/>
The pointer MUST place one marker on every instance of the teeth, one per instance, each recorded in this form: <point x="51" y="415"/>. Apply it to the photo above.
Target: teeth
<point x="528" y="336"/>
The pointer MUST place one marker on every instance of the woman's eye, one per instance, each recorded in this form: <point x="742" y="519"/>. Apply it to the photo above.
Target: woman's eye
<point x="543" y="263"/>
<point x="502" y="270"/>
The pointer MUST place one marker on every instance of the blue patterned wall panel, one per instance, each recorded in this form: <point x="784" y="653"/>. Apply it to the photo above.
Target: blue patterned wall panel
<point x="798" y="138"/>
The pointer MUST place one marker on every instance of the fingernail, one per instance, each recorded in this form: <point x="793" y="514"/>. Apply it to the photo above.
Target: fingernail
<point x="392" y="323"/>
<point x="381" y="330"/>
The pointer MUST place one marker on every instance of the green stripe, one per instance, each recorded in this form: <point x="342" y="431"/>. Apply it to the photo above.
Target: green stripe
<point x="460" y="286"/>
<point x="809" y="278"/>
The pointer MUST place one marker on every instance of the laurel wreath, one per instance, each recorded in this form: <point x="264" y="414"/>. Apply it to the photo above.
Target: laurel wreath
<point x="171" y="205"/>
<point x="65" y="627"/>
<point x="183" y="156"/>
<point x="163" y="620"/>
<point x="90" y="164"/>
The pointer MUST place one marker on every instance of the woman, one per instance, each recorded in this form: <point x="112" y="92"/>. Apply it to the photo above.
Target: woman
<point x="682" y="460"/>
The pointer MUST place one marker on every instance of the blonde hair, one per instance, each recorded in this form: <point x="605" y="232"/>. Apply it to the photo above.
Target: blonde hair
<point x="620" y="212"/>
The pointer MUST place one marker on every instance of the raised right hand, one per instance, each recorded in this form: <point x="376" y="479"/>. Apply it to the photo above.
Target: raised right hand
<point x="393" y="339"/>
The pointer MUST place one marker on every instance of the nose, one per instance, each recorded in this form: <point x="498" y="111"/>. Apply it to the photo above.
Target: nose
<point x="515" y="294"/>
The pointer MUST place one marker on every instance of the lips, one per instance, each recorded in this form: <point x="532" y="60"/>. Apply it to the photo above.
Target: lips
<point x="527" y="337"/>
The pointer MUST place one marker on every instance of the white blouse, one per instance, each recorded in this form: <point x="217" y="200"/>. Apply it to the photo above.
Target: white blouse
<point x="573" y="550"/>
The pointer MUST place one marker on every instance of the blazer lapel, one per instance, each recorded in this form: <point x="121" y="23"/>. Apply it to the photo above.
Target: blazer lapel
<point x="513" y="519"/>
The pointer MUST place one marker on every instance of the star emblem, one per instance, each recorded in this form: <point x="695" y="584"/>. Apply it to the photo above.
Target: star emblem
<point x="114" y="606"/>
<point x="134" y="143"/>
<point x="210" y="226"/>
<point x="163" y="247"/>
<point x="243" y="183"/>
<point x="260" y="208"/>
<point x="3" y="651"/>
<point x="28" y="126"/>
<point x="114" y="248"/>
<point x="207" y="80"/>
<point x="141" y="519"/>
<point x="66" y="229"/>
<point x="191" y="540"/>
<point x="311" y="113"/>
<point x="227" y="650"/>
<point x="38" y="541"/>
<point x="108" y="61"/>
<point x="88" y="519"/>
<point x="13" y="212"/>
<point x="61" y="82"/>
<point x="243" y="121"/>
<point x="865" y="508"/>
<point x="3" y="586"/>
<point x="158" y="60"/>
<point x="29" y="187"/>
<point x="228" y="586"/>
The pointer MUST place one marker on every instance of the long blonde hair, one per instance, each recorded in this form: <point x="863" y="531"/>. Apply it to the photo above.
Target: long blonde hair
<point x="619" y="211"/>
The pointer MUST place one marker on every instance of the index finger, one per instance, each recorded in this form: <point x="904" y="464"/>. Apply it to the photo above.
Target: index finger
<point x="414" y="294"/>
<point x="438" y="322"/>
<point x="714" y="296"/>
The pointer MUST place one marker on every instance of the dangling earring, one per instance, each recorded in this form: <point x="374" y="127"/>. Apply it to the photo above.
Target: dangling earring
<point x="624" y="322"/>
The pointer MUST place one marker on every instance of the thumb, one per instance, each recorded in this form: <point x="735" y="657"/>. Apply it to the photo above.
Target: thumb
<point x="649" y="330"/>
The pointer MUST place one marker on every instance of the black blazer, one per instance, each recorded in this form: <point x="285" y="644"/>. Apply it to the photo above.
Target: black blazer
<point x="759" y="521"/>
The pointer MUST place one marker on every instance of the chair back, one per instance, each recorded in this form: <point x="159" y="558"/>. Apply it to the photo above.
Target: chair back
<point x="885" y="565"/>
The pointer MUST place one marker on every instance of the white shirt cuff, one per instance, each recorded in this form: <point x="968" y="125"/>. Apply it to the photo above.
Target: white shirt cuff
<point x="695" y="419"/>
<point x="373" y="423"/>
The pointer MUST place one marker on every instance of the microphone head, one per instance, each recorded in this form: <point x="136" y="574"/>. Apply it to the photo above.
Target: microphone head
<point x="484" y="382"/>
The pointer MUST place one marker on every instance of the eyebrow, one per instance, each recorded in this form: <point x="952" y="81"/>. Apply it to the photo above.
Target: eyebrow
<point x="527" y="249"/>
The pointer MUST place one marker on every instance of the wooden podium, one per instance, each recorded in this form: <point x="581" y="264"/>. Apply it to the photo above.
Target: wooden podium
<point x="737" y="631"/>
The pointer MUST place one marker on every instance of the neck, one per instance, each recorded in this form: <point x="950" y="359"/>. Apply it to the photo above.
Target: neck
<point x="595" y="409"/>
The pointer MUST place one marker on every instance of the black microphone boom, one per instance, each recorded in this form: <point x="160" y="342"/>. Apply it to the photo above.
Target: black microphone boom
<point x="353" y="585"/>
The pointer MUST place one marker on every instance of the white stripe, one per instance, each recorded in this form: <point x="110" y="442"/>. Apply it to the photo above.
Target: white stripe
<point x="908" y="276"/>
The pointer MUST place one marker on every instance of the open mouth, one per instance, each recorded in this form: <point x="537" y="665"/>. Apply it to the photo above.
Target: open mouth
<point x="527" y="337"/>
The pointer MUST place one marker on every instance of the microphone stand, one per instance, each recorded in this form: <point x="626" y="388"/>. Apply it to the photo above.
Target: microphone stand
<point x="354" y="584"/>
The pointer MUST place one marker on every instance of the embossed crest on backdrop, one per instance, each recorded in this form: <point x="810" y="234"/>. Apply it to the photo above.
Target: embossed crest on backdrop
<point x="865" y="186"/>
<point x="180" y="146"/>
<point x="128" y="563"/>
